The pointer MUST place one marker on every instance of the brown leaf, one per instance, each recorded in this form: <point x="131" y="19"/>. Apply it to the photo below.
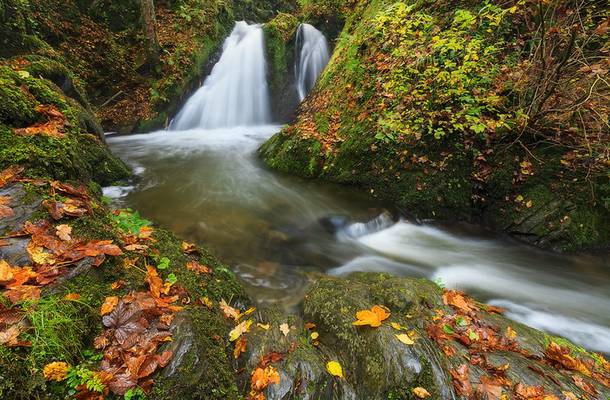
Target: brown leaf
<point x="53" y="127"/>
<point x="584" y="385"/>
<point x="9" y="174"/>
<point x="461" y="380"/>
<point x="197" y="268"/>
<point x="23" y="292"/>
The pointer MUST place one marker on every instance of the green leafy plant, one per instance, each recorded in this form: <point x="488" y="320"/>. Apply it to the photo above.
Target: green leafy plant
<point x="80" y="375"/>
<point x="130" y="221"/>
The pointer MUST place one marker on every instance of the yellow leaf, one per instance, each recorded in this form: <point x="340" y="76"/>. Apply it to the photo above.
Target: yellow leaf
<point x="372" y="317"/>
<point x="109" y="305"/>
<point x="315" y="335"/>
<point x="55" y="371"/>
<point x="207" y="302"/>
<point x="529" y="204"/>
<point x="403" y="337"/>
<point x="240" y="330"/>
<point x="334" y="368"/>
<point x="421" y="392"/>
<point x="510" y="333"/>
<point x="240" y="347"/>
<point x="263" y="326"/>
<point x="245" y="313"/>
<point x="396" y="326"/>
<point x="6" y="272"/>
<point x="285" y="329"/>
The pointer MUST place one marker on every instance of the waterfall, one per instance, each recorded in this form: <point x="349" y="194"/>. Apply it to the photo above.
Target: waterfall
<point x="235" y="93"/>
<point x="311" y="58"/>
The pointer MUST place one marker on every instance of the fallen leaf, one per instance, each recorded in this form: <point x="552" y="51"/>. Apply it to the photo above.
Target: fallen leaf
<point x="309" y="325"/>
<point x="239" y="330"/>
<point x="404" y="338"/>
<point x="207" y="302"/>
<point x="188" y="248"/>
<point x="460" y="301"/>
<point x="72" y="296"/>
<point x="315" y="335"/>
<point x="197" y="268"/>
<point x="109" y="305"/>
<point x="584" y="385"/>
<point x="510" y="333"/>
<point x="53" y="127"/>
<point x="6" y="272"/>
<point x="263" y="326"/>
<point x="9" y="174"/>
<point x="334" y="368"/>
<point x="240" y="347"/>
<point x="63" y="232"/>
<point x="421" y="392"/>
<point x="285" y="329"/>
<point x="261" y="378"/>
<point x="372" y="317"/>
<point x="396" y="325"/>
<point x="55" y="371"/>
<point x="228" y="311"/>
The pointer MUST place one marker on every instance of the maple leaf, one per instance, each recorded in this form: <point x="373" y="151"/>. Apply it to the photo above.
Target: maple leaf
<point x="562" y="356"/>
<point x="228" y="311"/>
<point x="56" y="121"/>
<point x="197" y="268"/>
<point x="461" y="380"/>
<point x="155" y="282"/>
<point x="125" y="320"/>
<point x="240" y="347"/>
<point x="459" y="301"/>
<point x="239" y="330"/>
<point x="6" y="272"/>
<point x="261" y="378"/>
<point x="334" y="368"/>
<point x="5" y="209"/>
<point x="109" y="305"/>
<point x="421" y="392"/>
<point x="372" y="317"/>
<point x="9" y="174"/>
<point x="584" y="385"/>
<point x="23" y="292"/>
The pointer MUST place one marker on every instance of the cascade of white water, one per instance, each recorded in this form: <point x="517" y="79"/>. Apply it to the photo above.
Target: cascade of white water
<point x="235" y="93"/>
<point x="312" y="56"/>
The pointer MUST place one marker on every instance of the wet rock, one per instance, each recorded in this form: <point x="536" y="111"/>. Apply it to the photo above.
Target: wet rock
<point x="23" y="207"/>
<point x="334" y="223"/>
<point x="376" y="364"/>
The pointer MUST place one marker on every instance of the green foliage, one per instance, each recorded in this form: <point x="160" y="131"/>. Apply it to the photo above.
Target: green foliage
<point x="59" y="327"/>
<point x="80" y="375"/>
<point x="135" y="394"/>
<point x="130" y="222"/>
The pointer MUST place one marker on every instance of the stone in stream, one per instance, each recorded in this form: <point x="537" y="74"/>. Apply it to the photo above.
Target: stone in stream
<point x="377" y="365"/>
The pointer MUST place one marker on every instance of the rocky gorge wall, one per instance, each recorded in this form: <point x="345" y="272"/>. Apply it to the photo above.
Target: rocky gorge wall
<point x="478" y="111"/>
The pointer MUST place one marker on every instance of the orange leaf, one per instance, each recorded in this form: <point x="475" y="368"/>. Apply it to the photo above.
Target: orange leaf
<point x="72" y="296"/>
<point x="228" y="311"/>
<point x="109" y="305"/>
<point x="197" y="268"/>
<point x="372" y="317"/>
<point x="240" y="347"/>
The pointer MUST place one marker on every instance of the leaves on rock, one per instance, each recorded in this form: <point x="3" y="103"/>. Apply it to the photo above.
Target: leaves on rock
<point x="372" y="317"/>
<point x="334" y="368"/>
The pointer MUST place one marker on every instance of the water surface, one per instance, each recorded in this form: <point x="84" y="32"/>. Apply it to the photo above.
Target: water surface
<point x="278" y="232"/>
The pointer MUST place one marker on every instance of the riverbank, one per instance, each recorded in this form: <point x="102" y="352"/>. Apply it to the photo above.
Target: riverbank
<point x="447" y="114"/>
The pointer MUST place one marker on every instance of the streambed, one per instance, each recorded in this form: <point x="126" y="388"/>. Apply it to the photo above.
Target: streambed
<point x="278" y="232"/>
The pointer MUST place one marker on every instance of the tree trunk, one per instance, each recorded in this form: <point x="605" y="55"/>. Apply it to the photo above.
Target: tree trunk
<point x="150" y="30"/>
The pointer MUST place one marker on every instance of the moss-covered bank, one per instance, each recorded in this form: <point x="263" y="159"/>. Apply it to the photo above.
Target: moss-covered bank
<point x="451" y="111"/>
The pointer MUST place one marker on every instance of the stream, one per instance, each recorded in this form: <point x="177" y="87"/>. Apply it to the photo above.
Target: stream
<point x="203" y="180"/>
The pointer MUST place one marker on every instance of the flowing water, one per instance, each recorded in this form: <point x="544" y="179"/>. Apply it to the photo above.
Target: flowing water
<point x="236" y="92"/>
<point x="278" y="233"/>
<point x="312" y="56"/>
